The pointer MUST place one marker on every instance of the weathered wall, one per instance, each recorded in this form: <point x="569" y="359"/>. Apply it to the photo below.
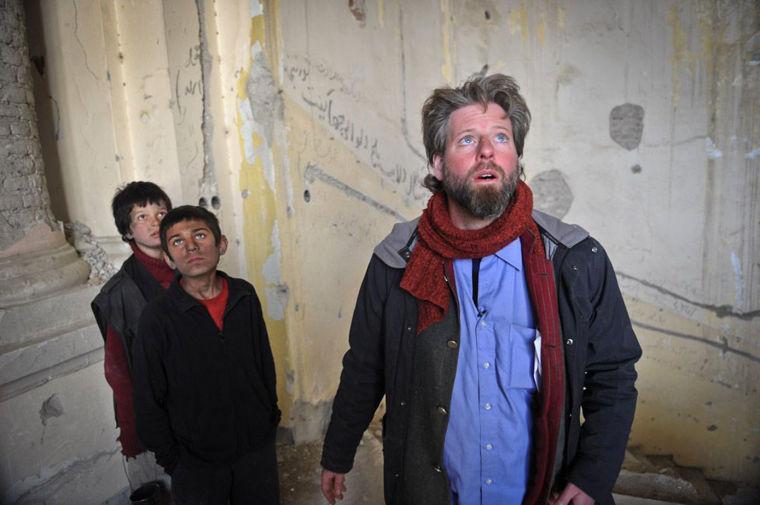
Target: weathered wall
<point x="303" y="120"/>
<point x="645" y="132"/>
<point x="23" y="195"/>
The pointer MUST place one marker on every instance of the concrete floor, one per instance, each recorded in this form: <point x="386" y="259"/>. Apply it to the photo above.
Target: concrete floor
<point x="644" y="481"/>
<point x="300" y="474"/>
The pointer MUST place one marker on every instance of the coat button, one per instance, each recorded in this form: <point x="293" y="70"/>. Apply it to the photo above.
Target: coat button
<point x="408" y="328"/>
<point x="402" y="403"/>
<point x="437" y="468"/>
<point x="594" y="249"/>
<point x="396" y="475"/>
<point x="452" y="344"/>
<point x="569" y="341"/>
<point x="574" y="267"/>
<point x="442" y="410"/>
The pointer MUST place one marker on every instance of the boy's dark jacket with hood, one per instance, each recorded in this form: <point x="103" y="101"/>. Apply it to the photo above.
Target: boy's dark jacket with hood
<point x="204" y="397"/>
<point x="599" y="348"/>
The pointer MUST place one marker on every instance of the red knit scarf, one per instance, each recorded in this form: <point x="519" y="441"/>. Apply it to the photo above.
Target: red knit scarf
<point x="440" y="242"/>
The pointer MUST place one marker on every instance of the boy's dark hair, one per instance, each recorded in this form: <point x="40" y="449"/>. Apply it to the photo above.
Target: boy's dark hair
<point x="188" y="213"/>
<point x="138" y="193"/>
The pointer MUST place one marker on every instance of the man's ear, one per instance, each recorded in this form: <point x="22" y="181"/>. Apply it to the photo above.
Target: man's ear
<point x="168" y="260"/>
<point x="437" y="167"/>
<point x="222" y="245"/>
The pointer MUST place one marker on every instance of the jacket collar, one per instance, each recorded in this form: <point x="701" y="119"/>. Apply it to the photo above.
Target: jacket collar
<point x="185" y="302"/>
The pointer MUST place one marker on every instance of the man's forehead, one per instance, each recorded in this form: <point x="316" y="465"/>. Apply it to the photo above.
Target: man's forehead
<point x="462" y="116"/>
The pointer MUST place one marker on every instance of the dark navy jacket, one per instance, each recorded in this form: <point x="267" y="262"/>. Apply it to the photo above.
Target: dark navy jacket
<point x="600" y="351"/>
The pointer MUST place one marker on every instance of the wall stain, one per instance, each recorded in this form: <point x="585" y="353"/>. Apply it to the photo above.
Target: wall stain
<point x="720" y="311"/>
<point x="722" y="346"/>
<point x="313" y="172"/>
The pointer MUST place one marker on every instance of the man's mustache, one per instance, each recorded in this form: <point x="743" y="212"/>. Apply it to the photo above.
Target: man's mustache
<point x="486" y="165"/>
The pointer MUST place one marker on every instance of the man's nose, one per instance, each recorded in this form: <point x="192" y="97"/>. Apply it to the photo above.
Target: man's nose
<point x="485" y="148"/>
<point x="190" y="245"/>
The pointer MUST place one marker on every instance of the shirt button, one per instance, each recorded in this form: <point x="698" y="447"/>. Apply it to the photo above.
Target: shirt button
<point x="486" y="364"/>
<point x="442" y="410"/>
<point x="489" y="447"/>
<point x="569" y="341"/>
<point x="487" y="406"/>
<point x="452" y="344"/>
<point x="489" y="481"/>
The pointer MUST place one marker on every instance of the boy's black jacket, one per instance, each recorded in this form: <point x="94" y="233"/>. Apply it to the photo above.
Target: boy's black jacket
<point x="204" y="396"/>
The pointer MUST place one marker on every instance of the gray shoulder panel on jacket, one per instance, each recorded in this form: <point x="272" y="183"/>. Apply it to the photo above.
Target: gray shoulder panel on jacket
<point x="389" y="249"/>
<point x="563" y="233"/>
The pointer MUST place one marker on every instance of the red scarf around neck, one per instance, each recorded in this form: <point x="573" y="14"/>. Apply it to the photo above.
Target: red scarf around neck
<point x="440" y="242"/>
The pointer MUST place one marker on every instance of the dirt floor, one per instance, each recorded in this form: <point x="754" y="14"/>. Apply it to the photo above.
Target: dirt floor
<point x="300" y="474"/>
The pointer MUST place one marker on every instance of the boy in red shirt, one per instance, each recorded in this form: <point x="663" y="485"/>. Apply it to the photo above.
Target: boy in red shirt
<point x="205" y="393"/>
<point x="137" y="209"/>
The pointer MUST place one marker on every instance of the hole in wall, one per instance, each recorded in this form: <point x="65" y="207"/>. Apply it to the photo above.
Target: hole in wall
<point x="216" y="202"/>
<point x="203" y="203"/>
<point x="307" y="196"/>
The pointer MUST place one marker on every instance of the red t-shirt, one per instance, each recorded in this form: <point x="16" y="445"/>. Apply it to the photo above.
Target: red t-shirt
<point x="217" y="304"/>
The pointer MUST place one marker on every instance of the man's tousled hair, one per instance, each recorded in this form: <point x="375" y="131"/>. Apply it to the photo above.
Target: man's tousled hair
<point x="139" y="193"/>
<point x="188" y="213"/>
<point x="479" y="89"/>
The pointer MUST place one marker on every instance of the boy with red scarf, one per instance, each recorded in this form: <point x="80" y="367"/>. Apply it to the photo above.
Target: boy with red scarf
<point x="489" y="327"/>
<point x="137" y="209"/>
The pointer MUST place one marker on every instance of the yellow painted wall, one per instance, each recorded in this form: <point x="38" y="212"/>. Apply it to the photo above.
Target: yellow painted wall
<point x="313" y="129"/>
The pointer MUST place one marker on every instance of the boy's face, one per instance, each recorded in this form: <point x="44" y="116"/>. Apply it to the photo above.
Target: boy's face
<point x="143" y="226"/>
<point x="193" y="249"/>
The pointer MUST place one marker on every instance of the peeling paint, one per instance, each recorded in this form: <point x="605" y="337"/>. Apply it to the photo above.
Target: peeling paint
<point x="255" y="8"/>
<point x="246" y="130"/>
<point x="738" y="279"/>
<point x="712" y="151"/>
<point x="272" y="270"/>
<point x="52" y="407"/>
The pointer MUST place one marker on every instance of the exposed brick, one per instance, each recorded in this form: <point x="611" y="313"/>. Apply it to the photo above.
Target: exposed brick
<point x="31" y="200"/>
<point x="15" y="184"/>
<point x="8" y="202"/>
<point x="21" y="129"/>
<point x="13" y="95"/>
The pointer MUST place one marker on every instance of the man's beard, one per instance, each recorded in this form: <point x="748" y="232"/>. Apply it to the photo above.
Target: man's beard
<point x="486" y="202"/>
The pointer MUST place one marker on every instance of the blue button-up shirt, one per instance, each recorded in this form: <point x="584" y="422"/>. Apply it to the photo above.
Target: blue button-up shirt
<point x="489" y="437"/>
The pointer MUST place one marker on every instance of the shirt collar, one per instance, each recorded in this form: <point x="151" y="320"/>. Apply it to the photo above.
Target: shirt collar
<point x="511" y="254"/>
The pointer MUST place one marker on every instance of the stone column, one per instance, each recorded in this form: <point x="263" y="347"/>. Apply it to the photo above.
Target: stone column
<point x="35" y="259"/>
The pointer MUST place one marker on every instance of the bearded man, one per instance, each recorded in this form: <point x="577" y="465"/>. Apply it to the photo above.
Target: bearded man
<point x="490" y="328"/>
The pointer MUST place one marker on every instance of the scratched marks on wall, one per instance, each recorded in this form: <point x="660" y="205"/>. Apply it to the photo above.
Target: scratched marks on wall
<point x="313" y="173"/>
<point x="333" y="101"/>
<point x="187" y="79"/>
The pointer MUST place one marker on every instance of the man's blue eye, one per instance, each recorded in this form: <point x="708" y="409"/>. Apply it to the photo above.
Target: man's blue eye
<point x="469" y="139"/>
<point x="502" y="138"/>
